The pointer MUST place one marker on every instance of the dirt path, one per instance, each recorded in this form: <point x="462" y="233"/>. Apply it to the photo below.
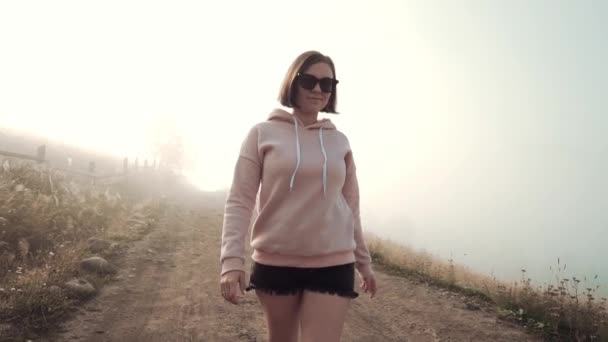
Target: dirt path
<point x="168" y="291"/>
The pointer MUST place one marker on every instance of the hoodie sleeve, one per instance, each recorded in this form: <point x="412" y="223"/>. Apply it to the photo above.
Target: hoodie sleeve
<point x="351" y="194"/>
<point x="240" y="203"/>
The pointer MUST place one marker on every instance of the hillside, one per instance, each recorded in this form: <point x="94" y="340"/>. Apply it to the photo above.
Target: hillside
<point x="163" y="239"/>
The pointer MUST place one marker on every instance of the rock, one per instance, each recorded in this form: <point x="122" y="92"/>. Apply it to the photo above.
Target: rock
<point x="80" y="288"/>
<point x="96" y="265"/>
<point x="98" y="245"/>
<point x="3" y="221"/>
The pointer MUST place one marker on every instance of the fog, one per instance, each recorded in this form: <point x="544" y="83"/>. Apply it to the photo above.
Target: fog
<point x="478" y="127"/>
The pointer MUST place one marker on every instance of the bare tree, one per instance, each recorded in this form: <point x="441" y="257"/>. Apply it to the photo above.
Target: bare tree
<point x="170" y="153"/>
<point x="166" y="143"/>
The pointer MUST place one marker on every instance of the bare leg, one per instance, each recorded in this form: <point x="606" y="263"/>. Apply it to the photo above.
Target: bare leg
<point x="322" y="316"/>
<point x="282" y="316"/>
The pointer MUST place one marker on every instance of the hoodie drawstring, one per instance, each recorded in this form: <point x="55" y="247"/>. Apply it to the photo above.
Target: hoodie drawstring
<point x="324" y="161"/>
<point x="293" y="176"/>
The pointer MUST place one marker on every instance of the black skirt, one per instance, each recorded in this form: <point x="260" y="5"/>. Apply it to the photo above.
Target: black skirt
<point x="279" y="280"/>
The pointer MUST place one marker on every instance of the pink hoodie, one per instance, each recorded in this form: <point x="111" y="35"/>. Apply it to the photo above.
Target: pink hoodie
<point x="308" y="205"/>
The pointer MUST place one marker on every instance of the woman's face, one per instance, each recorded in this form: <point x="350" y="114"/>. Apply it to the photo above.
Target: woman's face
<point x="313" y="100"/>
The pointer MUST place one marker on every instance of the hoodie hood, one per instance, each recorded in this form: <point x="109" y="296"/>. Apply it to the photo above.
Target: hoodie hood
<point x="284" y="116"/>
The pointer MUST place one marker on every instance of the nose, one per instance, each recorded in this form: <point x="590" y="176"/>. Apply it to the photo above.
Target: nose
<point x="317" y="88"/>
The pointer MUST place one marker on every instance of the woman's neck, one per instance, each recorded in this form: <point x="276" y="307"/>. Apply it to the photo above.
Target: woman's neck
<point x="306" y="118"/>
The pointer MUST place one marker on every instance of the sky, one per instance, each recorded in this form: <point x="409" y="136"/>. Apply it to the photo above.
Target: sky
<point x="478" y="127"/>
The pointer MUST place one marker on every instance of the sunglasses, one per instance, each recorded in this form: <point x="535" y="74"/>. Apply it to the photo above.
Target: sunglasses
<point x="309" y="82"/>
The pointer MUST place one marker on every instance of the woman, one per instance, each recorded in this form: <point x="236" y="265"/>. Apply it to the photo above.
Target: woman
<point x="307" y="236"/>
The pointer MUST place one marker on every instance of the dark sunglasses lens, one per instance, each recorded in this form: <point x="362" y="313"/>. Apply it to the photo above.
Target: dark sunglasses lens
<point x="308" y="82"/>
<point x="327" y="85"/>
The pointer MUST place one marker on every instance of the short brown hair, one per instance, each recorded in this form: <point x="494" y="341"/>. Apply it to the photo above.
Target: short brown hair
<point x="288" y="93"/>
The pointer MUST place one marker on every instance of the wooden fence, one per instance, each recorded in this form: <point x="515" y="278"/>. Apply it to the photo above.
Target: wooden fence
<point x="91" y="172"/>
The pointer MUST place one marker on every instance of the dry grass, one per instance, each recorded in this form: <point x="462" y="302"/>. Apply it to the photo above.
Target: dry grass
<point x="565" y="310"/>
<point x="45" y="222"/>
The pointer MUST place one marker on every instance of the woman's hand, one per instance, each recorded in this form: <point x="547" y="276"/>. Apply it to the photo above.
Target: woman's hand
<point x="232" y="286"/>
<point x="369" y="285"/>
